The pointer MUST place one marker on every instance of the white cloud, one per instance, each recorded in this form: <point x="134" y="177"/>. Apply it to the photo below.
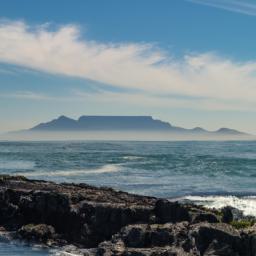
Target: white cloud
<point x="244" y="7"/>
<point x="132" y="66"/>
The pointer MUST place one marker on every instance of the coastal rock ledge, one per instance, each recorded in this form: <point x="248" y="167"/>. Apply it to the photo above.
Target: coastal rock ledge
<point x="101" y="221"/>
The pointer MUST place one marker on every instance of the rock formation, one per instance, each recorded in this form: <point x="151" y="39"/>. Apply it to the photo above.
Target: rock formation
<point x="103" y="221"/>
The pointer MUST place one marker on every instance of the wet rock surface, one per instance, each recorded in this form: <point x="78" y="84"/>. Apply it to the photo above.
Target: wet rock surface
<point x="102" y="221"/>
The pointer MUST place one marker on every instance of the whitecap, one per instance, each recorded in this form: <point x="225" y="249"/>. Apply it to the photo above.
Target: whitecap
<point x="132" y="157"/>
<point x="246" y="204"/>
<point x="108" y="168"/>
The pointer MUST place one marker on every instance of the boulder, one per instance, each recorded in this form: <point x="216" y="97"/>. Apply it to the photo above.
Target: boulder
<point x="38" y="233"/>
<point x="205" y="234"/>
<point x="217" y="248"/>
<point x="203" y="216"/>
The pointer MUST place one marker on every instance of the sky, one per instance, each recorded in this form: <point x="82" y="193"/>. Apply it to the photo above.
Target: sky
<point x="189" y="62"/>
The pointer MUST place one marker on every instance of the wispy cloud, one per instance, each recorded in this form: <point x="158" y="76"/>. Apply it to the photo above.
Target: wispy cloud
<point x="243" y="7"/>
<point x="26" y="95"/>
<point x="140" y="67"/>
<point x="136" y="99"/>
<point x="160" y="102"/>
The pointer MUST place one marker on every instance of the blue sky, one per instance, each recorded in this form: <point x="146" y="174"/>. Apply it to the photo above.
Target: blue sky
<point x="192" y="62"/>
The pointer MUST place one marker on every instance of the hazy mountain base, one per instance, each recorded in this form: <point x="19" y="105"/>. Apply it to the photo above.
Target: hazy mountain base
<point x="121" y="135"/>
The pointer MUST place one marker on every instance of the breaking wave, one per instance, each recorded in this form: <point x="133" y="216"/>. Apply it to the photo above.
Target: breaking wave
<point x="245" y="204"/>
<point x="108" y="168"/>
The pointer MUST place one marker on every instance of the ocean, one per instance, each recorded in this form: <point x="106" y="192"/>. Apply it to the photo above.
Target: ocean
<point x="213" y="173"/>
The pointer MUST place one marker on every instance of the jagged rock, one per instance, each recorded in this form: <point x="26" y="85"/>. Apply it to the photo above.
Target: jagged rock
<point x="154" y="239"/>
<point x="154" y="235"/>
<point x="79" y="213"/>
<point x="199" y="215"/>
<point x="103" y="221"/>
<point x="217" y="248"/>
<point x="206" y="233"/>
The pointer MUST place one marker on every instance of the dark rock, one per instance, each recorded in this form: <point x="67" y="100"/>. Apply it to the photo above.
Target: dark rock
<point x="227" y="214"/>
<point x="167" y="211"/>
<point x="202" y="216"/>
<point x="156" y="239"/>
<point x="79" y="213"/>
<point x="39" y="233"/>
<point x="103" y="221"/>
<point x="154" y="235"/>
<point x="249" y="241"/>
<point x="252" y="243"/>
<point x="205" y="233"/>
<point x="217" y="248"/>
<point x="231" y="214"/>
<point x="111" y="248"/>
<point x="135" y="236"/>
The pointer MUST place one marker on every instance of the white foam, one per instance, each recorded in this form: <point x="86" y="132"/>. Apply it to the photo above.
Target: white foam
<point x="132" y="157"/>
<point x="69" y="250"/>
<point x="246" y="204"/>
<point x="68" y="254"/>
<point x="108" y="168"/>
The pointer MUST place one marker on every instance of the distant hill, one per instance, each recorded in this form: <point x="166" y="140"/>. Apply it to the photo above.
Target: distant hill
<point x="124" y="123"/>
<point x="228" y="131"/>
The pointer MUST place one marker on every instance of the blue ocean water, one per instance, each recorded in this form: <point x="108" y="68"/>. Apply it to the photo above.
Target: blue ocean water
<point x="214" y="173"/>
<point x="165" y="169"/>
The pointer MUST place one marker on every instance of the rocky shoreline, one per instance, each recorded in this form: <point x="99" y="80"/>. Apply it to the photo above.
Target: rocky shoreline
<point x="103" y="221"/>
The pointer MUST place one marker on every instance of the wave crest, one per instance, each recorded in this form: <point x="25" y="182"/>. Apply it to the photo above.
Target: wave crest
<point x="108" y="168"/>
<point x="246" y="204"/>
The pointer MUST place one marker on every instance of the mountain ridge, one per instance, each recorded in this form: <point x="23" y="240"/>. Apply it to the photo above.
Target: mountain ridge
<point x="122" y="123"/>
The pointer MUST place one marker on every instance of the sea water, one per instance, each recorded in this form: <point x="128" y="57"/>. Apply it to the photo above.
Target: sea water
<point x="213" y="173"/>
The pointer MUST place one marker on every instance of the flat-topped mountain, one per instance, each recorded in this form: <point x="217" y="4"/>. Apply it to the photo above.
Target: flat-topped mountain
<point x="123" y="123"/>
<point x="92" y="123"/>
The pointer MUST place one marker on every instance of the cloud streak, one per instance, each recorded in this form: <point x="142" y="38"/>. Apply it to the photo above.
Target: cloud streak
<point x="107" y="98"/>
<point x="26" y="95"/>
<point x="243" y="7"/>
<point x="142" y="68"/>
<point x="149" y="101"/>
